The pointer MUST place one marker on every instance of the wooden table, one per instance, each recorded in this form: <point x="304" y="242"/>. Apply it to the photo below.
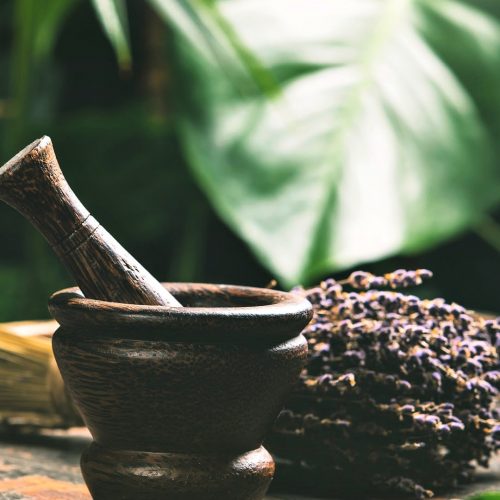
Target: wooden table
<point x="46" y="467"/>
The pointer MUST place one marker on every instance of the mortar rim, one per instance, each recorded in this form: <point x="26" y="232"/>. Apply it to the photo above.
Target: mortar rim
<point x="283" y="316"/>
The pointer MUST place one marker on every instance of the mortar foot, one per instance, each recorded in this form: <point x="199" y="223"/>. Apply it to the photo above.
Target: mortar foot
<point x="133" y="475"/>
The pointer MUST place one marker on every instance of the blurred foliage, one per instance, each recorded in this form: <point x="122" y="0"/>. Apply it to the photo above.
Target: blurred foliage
<point x="487" y="495"/>
<point x="113" y="17"/>
<point x="324" y="137"/>
<point x="379" y="140"/>
<point x="383" y="135"/>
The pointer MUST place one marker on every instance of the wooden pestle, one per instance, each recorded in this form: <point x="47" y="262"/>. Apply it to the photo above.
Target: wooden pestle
<point x="33" y="184"/>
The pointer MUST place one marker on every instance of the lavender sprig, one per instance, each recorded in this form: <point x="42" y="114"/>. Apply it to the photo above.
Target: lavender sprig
<point x="401" y="278"/>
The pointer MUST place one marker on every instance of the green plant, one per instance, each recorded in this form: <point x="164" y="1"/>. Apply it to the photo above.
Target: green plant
<point x="379" y="142"/>
<point x="325" y="135"/>
<point x="487" y="495"/>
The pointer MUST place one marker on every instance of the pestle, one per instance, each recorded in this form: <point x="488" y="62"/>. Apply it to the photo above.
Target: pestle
<point x="33" y="184"/>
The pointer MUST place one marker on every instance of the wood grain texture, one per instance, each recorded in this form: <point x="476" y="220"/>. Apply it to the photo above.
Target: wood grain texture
<point x="170" y="394"/>
<point x="223" y="312"/>
<point x="33" y="184"/>
<point x="176" y="476"/>
<point x="52" y="459"/>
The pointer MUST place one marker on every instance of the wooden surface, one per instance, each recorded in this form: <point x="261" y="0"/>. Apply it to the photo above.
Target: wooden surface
<point x="46" y="467"/>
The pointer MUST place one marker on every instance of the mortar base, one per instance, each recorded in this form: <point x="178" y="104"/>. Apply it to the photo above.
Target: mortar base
<point x="132" y="475"/>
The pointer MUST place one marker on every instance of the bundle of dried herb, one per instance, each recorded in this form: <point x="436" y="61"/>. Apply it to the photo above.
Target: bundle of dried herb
<point x="399" y="392"/>
<point x="32" y="393"/>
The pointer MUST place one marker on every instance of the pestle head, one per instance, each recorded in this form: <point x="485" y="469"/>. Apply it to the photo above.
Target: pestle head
<point x="33" y="183"/>
<point x="30" y="151"/>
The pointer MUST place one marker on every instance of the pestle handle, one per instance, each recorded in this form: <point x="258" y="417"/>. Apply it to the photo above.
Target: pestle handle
<point x="33" y="184"/>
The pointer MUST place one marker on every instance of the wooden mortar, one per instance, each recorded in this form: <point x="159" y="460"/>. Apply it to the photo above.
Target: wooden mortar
<point x="178" y="400"/>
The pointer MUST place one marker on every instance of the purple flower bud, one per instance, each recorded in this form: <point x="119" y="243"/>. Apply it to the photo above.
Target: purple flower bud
<point x="465" y="321"/>
<point x="330" y="282"/>
<point x="334" y="291"/>
<point x="491" y="325"/>
<point x="314" y="327"/>
<point x="433" y="309"/>
<point x="448" y="329"/>
<point x="424" y="273"/>
<point x="404" y="385"/>
<point x="326" y="303"/>
<point x="315" y="295"/>
<point x="419" y="419"/>
<point x="432" y="420"/>
<point x="396" y="278"/>
<point x="423" y="353"/>
<point x="486" y="387"/>
<point x="353" y="358"/>
<point x="493" y="377"/>
<point x="344" y="325"/>
<point x="378" y="282"/>
<point x="407" y="409"/>
<point x="456" y="310"/>
<point x="382" y="298"/>
<point x="360" y="280"/>
<point x="433" y="363"/>
<point x="495" y="432"/>
<point x="444" y="310"/>
<point x="440" y="340"/>
<point x="412" y="304"/>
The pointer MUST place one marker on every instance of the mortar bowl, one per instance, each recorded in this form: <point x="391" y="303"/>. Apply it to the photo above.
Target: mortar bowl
<point x="178" y="400"/>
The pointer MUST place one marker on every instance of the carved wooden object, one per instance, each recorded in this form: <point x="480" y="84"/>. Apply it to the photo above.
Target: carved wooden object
<point x="178" y="400"/>
<point x="33" y="184"/>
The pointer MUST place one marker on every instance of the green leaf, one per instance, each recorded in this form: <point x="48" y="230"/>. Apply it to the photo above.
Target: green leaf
<point x="36" y="27"/>
<point x="378" y="143"/>
<point x="210" y="34"/>
<point x="487" y="495"/>
<point x="479" y="38"/>
<point x="113" y="17"/>
<point x="50" y="18"/>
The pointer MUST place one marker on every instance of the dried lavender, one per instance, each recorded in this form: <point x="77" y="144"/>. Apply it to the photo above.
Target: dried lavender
<point x="399" y="392"/>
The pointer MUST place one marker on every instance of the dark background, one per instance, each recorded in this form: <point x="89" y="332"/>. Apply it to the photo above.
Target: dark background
<point x="114" y="138"/>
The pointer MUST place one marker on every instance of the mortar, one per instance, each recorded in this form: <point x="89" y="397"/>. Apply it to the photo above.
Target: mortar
<point x="178" y="400"/>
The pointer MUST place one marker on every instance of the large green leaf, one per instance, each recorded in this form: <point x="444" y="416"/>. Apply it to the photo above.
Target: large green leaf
<point x="112" y="15"/>
<point x="377" y="143"/>
<point x="445" y="22"/>
<point x="209" y="33"/>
